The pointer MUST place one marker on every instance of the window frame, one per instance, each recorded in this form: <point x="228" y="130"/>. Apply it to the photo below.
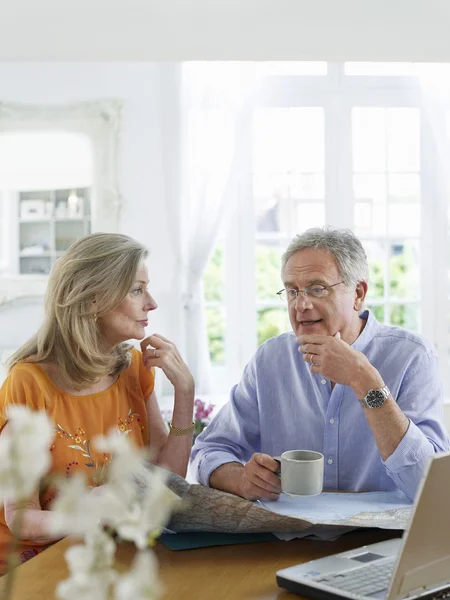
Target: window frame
<point x="337" y="94"/>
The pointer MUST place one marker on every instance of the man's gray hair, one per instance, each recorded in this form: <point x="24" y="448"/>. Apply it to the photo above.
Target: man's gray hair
<point x="343" y="244"/>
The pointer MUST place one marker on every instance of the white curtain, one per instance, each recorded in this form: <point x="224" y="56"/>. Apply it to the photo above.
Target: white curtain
<point x="214" y="99"/>
<point x="434" y="82"/>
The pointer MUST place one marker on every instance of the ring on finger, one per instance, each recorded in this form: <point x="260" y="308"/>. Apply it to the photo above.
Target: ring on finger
<point x="154" y="353"/>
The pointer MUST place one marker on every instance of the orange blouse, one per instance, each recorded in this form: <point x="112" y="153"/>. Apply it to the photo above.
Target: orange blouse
<point x="78" y="420"/>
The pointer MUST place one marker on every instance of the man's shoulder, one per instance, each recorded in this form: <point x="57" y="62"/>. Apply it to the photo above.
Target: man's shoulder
<point x="401" y="338"/>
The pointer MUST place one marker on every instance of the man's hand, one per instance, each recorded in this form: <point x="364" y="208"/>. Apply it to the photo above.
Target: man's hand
<point x="258" y="479"/>
<point x="337" y="361"/>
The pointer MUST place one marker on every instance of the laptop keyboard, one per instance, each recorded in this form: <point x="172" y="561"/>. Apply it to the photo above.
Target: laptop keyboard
<point x="364" y="581"/>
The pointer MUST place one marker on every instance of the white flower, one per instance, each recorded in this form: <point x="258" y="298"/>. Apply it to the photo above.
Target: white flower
<point x="91" y="569"/>
<point x="78" y="509"/>
<point x="149" y="510"/>
<point x="141" y="582"/>
<point x="96" y="555"/>
<point x="91" y="587"/>
<point x="146" y="501"/>
<point x="126" y="457"/>
<point x="24" y="452"/>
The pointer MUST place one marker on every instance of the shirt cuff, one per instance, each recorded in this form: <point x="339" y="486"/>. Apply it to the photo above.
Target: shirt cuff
<point x="209" y="463"/>
<point x="412" y="449"/>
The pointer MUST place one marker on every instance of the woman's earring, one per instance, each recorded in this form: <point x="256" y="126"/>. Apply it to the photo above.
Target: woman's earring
<point x="95" y="317"/>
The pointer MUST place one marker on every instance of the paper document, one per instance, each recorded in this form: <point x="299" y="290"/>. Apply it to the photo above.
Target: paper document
<point x="336" y="508"/>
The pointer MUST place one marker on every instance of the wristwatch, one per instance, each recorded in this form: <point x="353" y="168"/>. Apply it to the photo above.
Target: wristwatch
<point x="375" y="398"/>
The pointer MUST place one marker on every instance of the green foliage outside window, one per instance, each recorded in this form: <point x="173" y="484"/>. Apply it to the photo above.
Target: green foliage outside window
<point x="213" y="287"/>
<point x="214" y="276"/>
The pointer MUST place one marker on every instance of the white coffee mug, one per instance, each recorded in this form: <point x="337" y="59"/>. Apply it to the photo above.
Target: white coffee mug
<point x="301" y="472"/>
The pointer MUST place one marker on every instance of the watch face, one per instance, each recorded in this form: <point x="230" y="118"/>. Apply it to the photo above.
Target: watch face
<point x="375" y="398"/>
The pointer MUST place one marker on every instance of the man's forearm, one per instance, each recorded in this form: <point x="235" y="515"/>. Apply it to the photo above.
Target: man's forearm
<point x="388" y="423"/>
<point x="227" y="477"/>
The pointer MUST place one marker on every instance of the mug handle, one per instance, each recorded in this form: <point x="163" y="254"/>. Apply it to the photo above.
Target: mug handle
<point x="278" y="459"/>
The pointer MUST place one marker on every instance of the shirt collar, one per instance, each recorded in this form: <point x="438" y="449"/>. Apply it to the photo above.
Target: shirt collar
<point x="368" y="333"/>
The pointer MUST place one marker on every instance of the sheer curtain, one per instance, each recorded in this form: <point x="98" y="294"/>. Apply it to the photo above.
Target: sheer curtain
<point x="434" y="82"/>
<point x="215" y="96"/>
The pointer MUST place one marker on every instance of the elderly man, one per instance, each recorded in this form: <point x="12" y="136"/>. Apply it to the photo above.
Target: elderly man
<point x="366" y="395"/>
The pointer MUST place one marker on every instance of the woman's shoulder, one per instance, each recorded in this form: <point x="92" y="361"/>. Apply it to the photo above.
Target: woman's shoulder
<point x="28" y="373"/>
<point x="27" y="367"/>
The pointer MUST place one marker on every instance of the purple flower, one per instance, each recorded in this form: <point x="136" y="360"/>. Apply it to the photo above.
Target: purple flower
<point x="202" y="410"/>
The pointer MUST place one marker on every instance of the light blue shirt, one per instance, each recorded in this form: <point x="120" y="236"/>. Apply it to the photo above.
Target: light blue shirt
<point x="280" y="405"/>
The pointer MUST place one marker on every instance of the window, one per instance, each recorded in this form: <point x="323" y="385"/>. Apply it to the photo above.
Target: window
<point x="351" y="148"/>
<point x="386" y="189"/>
<point x="374" y="69"/>
<point x="288" y="195"/>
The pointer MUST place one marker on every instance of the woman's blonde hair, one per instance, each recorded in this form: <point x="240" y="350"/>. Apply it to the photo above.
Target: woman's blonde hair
<point x="92" y="278"/>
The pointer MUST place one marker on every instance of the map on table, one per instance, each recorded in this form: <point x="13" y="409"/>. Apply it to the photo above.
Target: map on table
<point x="329" y="514"/>
<point x="389" y="510"/>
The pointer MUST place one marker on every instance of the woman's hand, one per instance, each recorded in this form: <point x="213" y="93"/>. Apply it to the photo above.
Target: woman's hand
<point x="164" y="354"/>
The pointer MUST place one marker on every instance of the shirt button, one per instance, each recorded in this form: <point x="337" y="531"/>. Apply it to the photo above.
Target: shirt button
<point x="330" y="461"/>
<point x="323" y="381"/>
<point x="332" y="421"/>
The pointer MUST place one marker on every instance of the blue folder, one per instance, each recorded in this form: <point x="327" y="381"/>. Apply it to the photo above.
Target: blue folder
<point x="203" y="539"/>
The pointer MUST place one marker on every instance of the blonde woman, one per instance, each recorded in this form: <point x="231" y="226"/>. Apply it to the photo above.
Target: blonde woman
<point x="79" y="370"/>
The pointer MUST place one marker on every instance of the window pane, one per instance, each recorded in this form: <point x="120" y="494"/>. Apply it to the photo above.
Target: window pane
<point x="308" y="186"/>
<point x="271" y="322"/>
<point x="214" y="276"/>
<point x="379" y="68"/>
<point x="378" y="311"/>
<point x="308" y="140"/>
<point x="308" y="214"/>
<point x="404" y="219"/>
<point x="215" y="325"/>
<point x="288" y="140"/>
<point x="376" y="256"/>
<point x="369" y="140"/>
<point x="403" y="139"/>
<point x="370" y="204"/>
<point x="405" y="315"/>
<point x="404" y="188"/>
<point x="272" y="206"/>
<point x="268" y="269"/>
<point x="404" y="271"/>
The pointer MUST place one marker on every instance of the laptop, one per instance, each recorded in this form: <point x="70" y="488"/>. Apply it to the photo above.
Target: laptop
<point x="414" y="566"/>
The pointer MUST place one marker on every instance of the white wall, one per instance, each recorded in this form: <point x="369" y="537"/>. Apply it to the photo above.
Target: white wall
<point x="333" y="30"/>
<point x="146" y="166"/>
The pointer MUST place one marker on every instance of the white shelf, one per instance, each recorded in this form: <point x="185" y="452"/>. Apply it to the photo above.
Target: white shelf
<point x="53" y="231"/>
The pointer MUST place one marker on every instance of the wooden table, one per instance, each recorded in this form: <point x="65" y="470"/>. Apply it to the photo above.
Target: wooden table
<point x="223" y="572"/>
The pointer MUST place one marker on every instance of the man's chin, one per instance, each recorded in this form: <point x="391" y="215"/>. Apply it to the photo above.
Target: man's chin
<point x="305" y="329"/>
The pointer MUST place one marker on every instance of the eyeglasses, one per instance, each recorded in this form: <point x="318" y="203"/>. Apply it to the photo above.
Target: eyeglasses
<point x="315" y="291"/>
